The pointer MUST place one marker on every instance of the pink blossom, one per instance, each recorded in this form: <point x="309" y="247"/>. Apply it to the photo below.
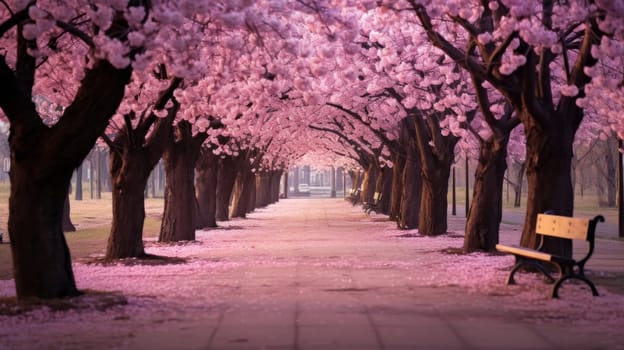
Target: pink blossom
<point x="569" y="90"/>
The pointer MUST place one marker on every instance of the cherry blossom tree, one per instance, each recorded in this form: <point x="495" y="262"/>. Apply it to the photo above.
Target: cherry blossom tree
<point x="39" y="41"/>
<point x="137" y="142"/>
<point x="512" y="45"/>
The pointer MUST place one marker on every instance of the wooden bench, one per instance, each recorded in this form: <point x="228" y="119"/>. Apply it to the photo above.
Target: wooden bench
<point x="374" y="205"/>
<point x="568" y="268"/>
<point x="354" y="196"/>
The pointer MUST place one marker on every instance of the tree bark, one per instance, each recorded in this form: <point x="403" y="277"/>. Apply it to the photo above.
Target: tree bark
<point x="129" y="173"/>
<point x="225" y="185"/>
<point x="368" y="183"/>
<point x="68" y="226"/>
<point x="206" y="175"/>
<point x="332" y="182"/>
<point x="251" y="197"/>
<point x="274" y="186"/>
<point x="339" y="178"/>
<point x="434" y="203"/>
<point x="306" y="174"/>
<point x="180" y="156"/>
<point x="484" y="216"/>
<point x="285" y="183"/>
<point x="98" y="182"/>
<point x="412" y="193"/>
<point x="242" y="191"/>
<point x="296" y="181"/>
<point x="398" y="161"/>
<point x="549" y="157"/>
<point x="92" y="173"/>
<point x="263" y="189"/>
<point x="387" y="175"/>
<point x="610" y="157"/>
<point x="79" y="183"/>
<point x="411" y="178"/>
<point x="435" y="165"/>
<point x="518" y="186"/>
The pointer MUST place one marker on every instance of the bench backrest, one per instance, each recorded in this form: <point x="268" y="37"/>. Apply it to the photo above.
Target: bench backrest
<point x="562" y="226"/>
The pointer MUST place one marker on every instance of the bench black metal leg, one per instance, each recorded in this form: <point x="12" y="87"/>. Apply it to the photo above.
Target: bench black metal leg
<point x="511" y="280"/>
<point x="555" y="290"/>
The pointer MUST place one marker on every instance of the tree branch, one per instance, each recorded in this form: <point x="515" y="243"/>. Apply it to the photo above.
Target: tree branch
<point x="14" y="101"/>
<point x="14" y="20"/>
<point x="440" y="42"/>
<point x="567" y="104"/>
<point x="76" y="32"/>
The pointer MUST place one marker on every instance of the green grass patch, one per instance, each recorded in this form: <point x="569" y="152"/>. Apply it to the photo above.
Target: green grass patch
<point x="83" y="244"/>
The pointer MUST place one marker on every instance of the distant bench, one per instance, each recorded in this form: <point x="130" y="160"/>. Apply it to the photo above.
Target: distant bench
<point x="562" y="227"/>
<point x="374" y="205"/>
<point x="354" y="196"/>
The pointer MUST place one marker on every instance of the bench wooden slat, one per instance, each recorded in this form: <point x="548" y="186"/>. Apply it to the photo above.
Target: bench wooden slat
<point x="562" y="226"/>
<point x="529" y="253"/>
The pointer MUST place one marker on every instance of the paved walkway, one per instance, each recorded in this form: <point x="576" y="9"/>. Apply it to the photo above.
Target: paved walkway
<point x="335" y="282"/>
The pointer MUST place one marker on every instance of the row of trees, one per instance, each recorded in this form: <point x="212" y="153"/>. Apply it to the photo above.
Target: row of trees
<point x="238" y="91"/>
<point x="494" y="67"/>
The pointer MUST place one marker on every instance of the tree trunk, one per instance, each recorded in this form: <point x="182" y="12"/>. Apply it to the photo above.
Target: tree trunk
<point x="518" y="186"/>
<point x="263" y="188"/>
<point x="92" y="175"/>
<point x="411" y="178"/>
<point x="306" y="175"/>
<point x="68" y="226"/>
<point x="179" y="221"/>
<point x="98" y="179"/>
<point x="296" y="181"/>
<point x="42" y="162"/>
<point x="225" y="185"/>
<point x="484" y="217"/>
<point x="611" y="155"/>
<point x="386" y="189"/>
<point x="398" y="161"/>
<point x="275" y="178"/>
<point x="332" y="182"/>
<point x="600" y="186"/>
<point x="412" y="193"/>
<point x="435" y="170"/>
<point x="549" y="156"/>
<point x="129" y="174"/>
<point x="339" y="178"/>
<point x="152" y="182"/>
<point x="132" y="158"/>
<point x="251" y="197"/>
<point x="286" y="185"/>
<point x="368" y="184"/>
<point x="41" y="259"/>
<point x="79" y="183"/>
<point x="434" y="202"/>
<point x="241" y="195"/>
<point x="206" y="175"/>
<point x="353" y="176"/>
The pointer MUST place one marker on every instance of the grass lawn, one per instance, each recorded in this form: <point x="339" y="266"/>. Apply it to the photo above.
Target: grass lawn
<point x="585" y="206"/>
<point x="92" y="219"/>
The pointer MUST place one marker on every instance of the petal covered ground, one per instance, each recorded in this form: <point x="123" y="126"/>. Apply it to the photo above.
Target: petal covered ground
<point x="319" y="274"/>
